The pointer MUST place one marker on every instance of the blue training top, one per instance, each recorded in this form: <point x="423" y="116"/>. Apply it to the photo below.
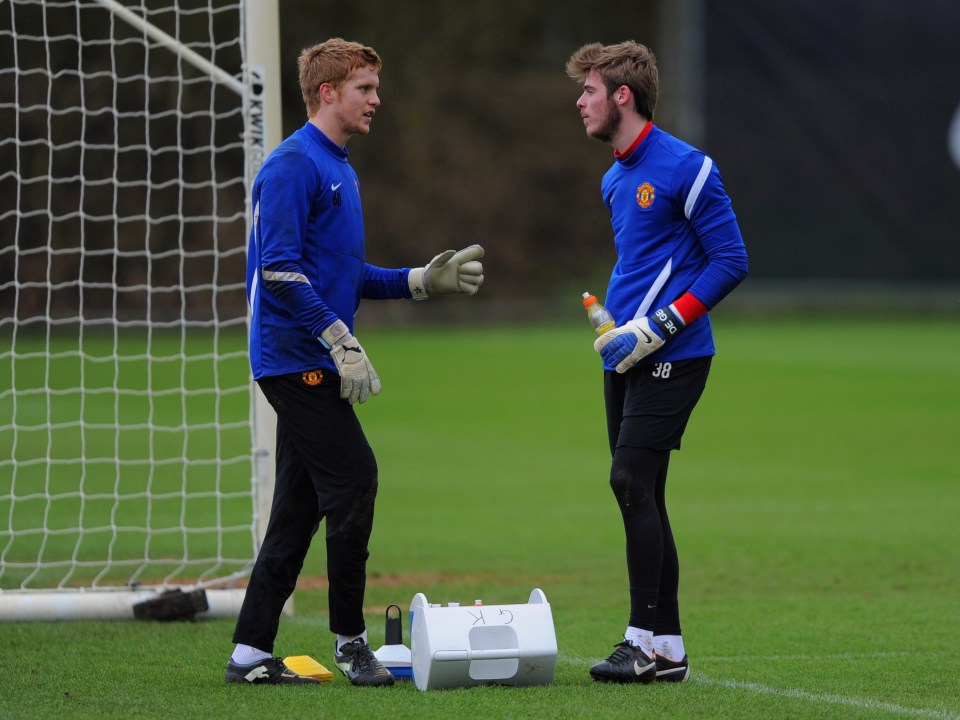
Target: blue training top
<point x="306" y="264"/>
<point x="674" y="231"/>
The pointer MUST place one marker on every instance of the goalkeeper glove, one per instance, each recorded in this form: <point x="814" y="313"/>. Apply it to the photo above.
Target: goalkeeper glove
<point x="358" y="379"/>
<point x="449" y="272"/>
<point x="625" y="346"/>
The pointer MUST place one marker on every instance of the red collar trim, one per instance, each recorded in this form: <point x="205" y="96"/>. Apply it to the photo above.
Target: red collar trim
<point x="643" y="133"/>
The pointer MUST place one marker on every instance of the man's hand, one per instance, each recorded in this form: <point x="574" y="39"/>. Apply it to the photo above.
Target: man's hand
<point x="449" y="272"/>
<point x="358" y="379"/>
<point x="625" y="346"/>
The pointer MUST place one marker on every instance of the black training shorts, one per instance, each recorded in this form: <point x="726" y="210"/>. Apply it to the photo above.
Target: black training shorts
<point x="649" y="405"/>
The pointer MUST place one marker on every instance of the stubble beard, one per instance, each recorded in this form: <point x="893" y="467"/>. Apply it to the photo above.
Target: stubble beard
<point x="611" y="123"/>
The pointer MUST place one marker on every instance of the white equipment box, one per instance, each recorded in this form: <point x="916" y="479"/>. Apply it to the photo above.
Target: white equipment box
<point x="459" y="646"/>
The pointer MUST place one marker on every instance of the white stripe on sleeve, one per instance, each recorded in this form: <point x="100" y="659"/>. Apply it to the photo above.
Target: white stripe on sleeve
<point x="697" y="186"/>
<point x="654" y="290"/>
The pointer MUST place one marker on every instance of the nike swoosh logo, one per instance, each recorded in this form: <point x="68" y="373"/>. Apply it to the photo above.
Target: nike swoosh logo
<point x="351" y="349"/>
<point x="334" y="188"/>
<point x="637" y="669"/>
<point x="647" y="338"/>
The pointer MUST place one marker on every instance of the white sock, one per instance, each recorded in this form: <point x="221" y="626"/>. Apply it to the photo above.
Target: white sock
<point x="247" y="655"/>
<point x="642" y="639"/>
<point x="670" y="646"/>
<point x="344" y="639"/>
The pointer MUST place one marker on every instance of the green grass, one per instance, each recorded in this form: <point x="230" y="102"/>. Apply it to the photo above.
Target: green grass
<point x="815" y="503"/>
<point x="142" y="432"/>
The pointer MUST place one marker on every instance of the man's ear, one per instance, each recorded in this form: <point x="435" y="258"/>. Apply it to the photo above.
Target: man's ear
<point x="327" y="93"/>
<point x="622" y="95"/>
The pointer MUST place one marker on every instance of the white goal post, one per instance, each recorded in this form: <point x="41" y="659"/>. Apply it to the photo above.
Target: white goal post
<point x="136" y="458"/>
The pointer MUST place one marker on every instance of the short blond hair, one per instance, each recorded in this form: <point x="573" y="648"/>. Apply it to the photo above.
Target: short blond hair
<point x="331" y="61"/>
<point x="628" y="63"/>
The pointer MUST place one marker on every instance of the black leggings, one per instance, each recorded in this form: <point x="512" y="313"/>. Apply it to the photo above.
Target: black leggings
<point x="638" y="478"/>
<point x="647" y="412"/>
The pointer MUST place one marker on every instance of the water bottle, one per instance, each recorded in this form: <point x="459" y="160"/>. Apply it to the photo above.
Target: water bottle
<point x="599" y="316"/>
<point x="393" y="654"/>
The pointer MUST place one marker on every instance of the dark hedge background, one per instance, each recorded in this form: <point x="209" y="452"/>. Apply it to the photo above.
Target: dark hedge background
<point x="830" y="121"/>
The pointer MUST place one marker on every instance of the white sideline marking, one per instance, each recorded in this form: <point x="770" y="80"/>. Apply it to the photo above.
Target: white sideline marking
<point x="697" y="677"/>
<point x="826" y="698"/>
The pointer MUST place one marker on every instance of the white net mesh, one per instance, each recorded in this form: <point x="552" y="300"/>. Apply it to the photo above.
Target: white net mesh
<point x="125" y="410"/>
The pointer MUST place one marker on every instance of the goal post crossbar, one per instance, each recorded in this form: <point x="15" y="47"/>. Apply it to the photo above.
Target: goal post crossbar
<point x="174" y="45"/>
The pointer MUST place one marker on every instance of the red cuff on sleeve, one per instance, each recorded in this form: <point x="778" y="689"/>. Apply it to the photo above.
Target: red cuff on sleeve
<point x="689" y="308"/>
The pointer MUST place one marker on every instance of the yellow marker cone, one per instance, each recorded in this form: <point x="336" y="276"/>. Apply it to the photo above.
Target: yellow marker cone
<point x="306" y="665"/>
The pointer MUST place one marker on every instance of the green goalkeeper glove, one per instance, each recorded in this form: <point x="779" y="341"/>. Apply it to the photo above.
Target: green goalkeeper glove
<point x="449" y="272"/>
<point x="358" y="379"/>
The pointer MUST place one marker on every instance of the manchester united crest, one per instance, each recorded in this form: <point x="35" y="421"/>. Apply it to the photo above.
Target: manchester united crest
<point x="645" y="195"/>
<point x="312" y="377"/>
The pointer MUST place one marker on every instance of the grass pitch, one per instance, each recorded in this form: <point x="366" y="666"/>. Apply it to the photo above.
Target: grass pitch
<point x="815" y="503"/>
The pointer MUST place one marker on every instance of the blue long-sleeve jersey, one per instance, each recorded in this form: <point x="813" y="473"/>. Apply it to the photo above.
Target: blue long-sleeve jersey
<point x="306" y="265"/>
<point x="674" y="231"/>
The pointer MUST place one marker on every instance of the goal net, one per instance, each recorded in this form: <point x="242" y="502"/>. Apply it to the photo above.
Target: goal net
<point x="127" y="444"/>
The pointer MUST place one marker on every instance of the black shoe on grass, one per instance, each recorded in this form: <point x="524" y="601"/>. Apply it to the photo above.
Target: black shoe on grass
<point x="271" y="671"/>
<point x="357" y="661"/>
<point x="672" y="671"/>
<point x="627" y="664"/>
